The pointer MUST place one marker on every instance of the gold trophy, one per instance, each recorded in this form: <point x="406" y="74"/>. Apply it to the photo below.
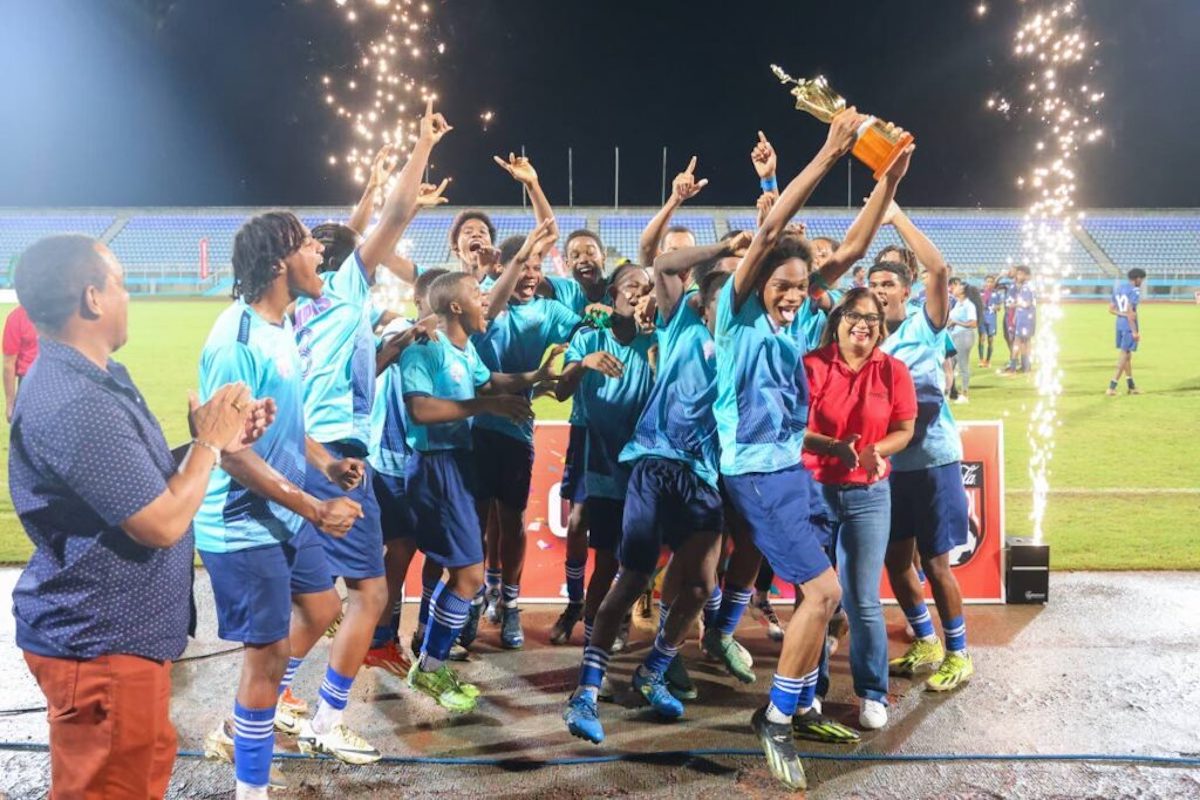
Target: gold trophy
<point x="879" y="143"/>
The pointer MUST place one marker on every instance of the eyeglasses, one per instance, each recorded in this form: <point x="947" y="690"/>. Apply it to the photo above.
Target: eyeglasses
<point x="853" y="317"/>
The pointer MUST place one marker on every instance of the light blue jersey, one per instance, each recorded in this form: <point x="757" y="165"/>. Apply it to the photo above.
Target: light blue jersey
<point x="439" y="368"/>
<point x="678" y="421"/>
<point x="568" y="292"/>
<point x="389" y="418"/>
<point x="612" y="406"/>
<point x="242" y="346"/>
<point x="515" y="342"/>
<point x="922" y="348"/>
<point x="762" y="391"/>
<point x="337" y="352"/>
<point x="813" y="318"/>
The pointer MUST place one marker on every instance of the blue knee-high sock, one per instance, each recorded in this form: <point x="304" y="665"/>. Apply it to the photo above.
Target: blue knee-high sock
<point x="808" y="690"/>
<point x="785" y="694"/>
<point x="511" y="592"/>
<point x="427" y="593"/>
<point x="595" y="664"/>
<point x="588" y="625"/>
<point x="575" y="580"/>
<point x="712" y="607"/>
<point x="733" y="606"/>
<point x="661" y="655"/>
<point x="335" y="689"/>
<point x="664" y="608"/>
<point x="493" y="580"/>
<point x="919" y="619"/>
<point x="955" y="630"/>
<point x="289" y="674"/>
<point x="446" y="620"/>
<point x="253" y="741"/>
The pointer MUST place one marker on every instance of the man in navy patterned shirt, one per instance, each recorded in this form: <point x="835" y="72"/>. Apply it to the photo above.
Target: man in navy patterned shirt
<point x="104" y="605"/>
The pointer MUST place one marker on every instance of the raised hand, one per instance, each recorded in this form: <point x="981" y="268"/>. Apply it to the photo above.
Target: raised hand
<point x="486" y="257"/>
<point x="606" y="364"/>
<point x="346" y="473"/>
<point x="519" y="167"/>
<point x="685" y="186"/>
<point x="892" y="212"/>
<point x="221" y="421"/>
<point x="433" y="126"/>
<point x="763" y="157"/>
<point x="645" y="309"/>
<point x="900" y="167"/>
<point x="843" y="132"/>
<point x="383" y="165"/>
<point x="336" y="517"/>
<point x="766" y="201"/>
<point x="737" y="244"/>
<point x="538" y="240"/>
<point x="429" y="195"/>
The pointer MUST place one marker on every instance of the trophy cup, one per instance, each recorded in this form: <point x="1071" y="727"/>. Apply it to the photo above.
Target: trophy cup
<point x="879" y="143"/>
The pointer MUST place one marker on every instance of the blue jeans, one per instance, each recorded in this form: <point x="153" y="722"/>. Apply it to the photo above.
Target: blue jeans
<point x="864" y="517"/>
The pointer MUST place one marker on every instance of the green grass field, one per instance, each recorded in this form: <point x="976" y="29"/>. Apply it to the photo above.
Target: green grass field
<point x="1132" y="444"/>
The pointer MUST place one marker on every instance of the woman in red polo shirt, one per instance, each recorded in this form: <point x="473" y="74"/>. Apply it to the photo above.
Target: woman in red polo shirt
<point x="862" y="411"/>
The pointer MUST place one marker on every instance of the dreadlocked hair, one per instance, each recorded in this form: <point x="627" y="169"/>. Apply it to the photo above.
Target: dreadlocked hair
<point x="259" y="247"/>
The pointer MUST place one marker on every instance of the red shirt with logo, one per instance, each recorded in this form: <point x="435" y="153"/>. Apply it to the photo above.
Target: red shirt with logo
<point x="845" y="402"/>
<point x="20" y="339"/>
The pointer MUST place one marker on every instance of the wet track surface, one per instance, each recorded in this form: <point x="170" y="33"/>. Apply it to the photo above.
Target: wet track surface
<point x="1111" y="665"/>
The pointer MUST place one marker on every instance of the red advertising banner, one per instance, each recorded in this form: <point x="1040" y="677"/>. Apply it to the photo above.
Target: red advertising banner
<point x="204" y="259"/>
<point x="978" y="564"/>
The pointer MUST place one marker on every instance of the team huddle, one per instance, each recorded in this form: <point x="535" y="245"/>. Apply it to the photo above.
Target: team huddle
<point x="725" y="398"/>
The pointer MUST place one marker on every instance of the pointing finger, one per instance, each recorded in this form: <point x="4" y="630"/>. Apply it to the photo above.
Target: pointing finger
<point x="691" y="167"/>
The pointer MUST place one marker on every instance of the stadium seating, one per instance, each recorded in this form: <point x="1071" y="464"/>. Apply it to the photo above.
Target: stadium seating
<point x="161" y="250"/>
<point x="1163" y="246"/>
<point x="18" y="231"/>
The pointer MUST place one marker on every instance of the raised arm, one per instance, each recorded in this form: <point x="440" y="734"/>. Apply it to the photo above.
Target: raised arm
<point x="669" y="268"/>
<point x="684" y="187"/>
<point x="866" y="225"/>
<point x="522" y="171"/>
<point x="937" y="275"/>
<point x="536" y="244"/>
<point x="842" y="134"/>
<point x="377" y="178"/>
<point x="428" y="196"/>
<point x="401" y="203"/>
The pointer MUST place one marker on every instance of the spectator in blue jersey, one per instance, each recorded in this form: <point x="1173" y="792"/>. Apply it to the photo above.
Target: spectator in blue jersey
<point x="586" y="284"/>
<point x="104" y="605"/>
<point x="523" y="326"/>
<point x="271" y="582"/>
<point x="961" y="324"/>
<point x="337" y="352"/>
<point x="1021" y="301"/>
<point x="761" y="411"/>
<point x="1124" y="306"/>
<point x="992" y="301"/>
<point x="930" y="513"/>
<point x="445" y="383"/>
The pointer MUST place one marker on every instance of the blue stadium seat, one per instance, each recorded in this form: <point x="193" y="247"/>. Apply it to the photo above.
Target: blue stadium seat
<point x="621" y="233"/>
<point x="1163" y="246"/>
<point x="18" y="231"/>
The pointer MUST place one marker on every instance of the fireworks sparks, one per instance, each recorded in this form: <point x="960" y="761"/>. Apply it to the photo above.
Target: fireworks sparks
<point x="1059" y="98"/>
<point x="379" y="99"/>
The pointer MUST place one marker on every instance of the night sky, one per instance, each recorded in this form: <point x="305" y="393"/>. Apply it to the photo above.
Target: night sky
<point x="217" y="102"/>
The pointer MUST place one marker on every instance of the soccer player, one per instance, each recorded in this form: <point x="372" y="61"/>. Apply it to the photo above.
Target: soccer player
<point x="271" y="582"/>
<point x="607" y="371"/>
<point x="1124" y="306"/>
<point x="992" y="299"/>
<point x="523" y="326"/>
<point x="761" y="411"/>
<point x="445" y="383"/>
<point x="337" y="351"/>
<point x="930" y="515"/>
<point x="961" y="324"/>
<point x="1020" y="300"/>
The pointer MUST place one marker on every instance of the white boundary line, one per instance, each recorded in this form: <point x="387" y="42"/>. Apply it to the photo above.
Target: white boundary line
<point x="1113" y="490"/>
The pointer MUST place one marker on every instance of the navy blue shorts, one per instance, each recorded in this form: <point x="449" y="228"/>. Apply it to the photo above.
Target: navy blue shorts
<point x="505" y="467"/>
<point x="395" y="513"/>
<point x="604" y="515"/>
<point x="776" y="508"/>
<point x="930" y="504"/>
<point x="987" y="328"/>
<point x="253" y="588"/>
<point x="666" y="503"/>
<point x="574" y="482"/>
<point x="358" y="554"/>
<point x="441" y="493"/>
<point x="1126" y="342"/>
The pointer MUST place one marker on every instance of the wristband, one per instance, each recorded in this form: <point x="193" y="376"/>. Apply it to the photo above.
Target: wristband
<point x="769" y="184"/>
<point x="216" y="451"/>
